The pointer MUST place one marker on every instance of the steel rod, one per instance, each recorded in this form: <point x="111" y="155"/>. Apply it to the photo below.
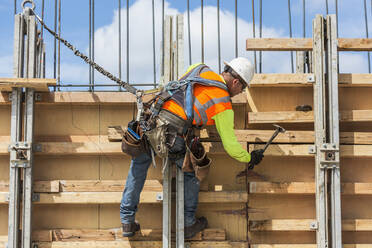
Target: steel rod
<point x="55" y="40"/>
<point x="219" y="36"/>
<point x="90" y="42"/>
<point x="188" y="29"/>
<point x="202" y="30"/>
<point x="153" y="42"/>
<point x="128" y="41"/>
<point x="326" y="1"/>
<point x="119" y="41"/>
<point x="303" y="18"/>
<point x="93" y="19"/>
<point x="163" y="35"/>
<point x="42" y="17"/>
<point x="367" y="35"/>
<point x="290" y="30"/>
<point x="59" y="44"/>
<point x="15" y="6"/>
<point x="236" y="28"/>
<point x="260" y="70"/>
<point x="254" y="36"/>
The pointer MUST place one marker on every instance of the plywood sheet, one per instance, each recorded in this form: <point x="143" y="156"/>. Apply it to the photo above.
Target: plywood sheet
<point x="66" y="167"/>
<point x="282" y="237"/>
<point x="5" y="120"/>
<point x="66" y="120"/>
<point x="3" y="219"/>
<point x="65" y="216"/>
<point x="114" y="116"/>
<point x="4" y="168"/>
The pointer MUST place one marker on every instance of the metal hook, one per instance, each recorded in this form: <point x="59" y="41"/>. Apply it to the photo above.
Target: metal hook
<point x="30" y="2"/>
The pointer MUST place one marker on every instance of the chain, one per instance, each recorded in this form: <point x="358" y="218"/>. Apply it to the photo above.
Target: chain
<point x="99" y="68"/>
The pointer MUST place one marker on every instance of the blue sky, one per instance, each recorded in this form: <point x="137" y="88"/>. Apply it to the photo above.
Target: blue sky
<point x="75" y="25"/>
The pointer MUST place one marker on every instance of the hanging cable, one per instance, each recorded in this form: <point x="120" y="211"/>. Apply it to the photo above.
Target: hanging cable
<point x="326" y="6"/>
<point x="236" y="28"/>
<point x="202" y="31"/>
<point x="188" y="29"/>
<point x="153" y="41"/>
<point x="290" y="30"/>
<point x="128" y="41"/>
<point x="254" y="36"/>
<point x="260" y="36"/>
<point x="119" y="40"/>
<point x="367" y="36"/>
<point x="219" y="36"/>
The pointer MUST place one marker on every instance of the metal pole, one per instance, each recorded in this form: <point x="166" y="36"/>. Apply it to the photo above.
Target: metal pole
<point x="367" y="36"/>
<point x="260" y="36"/>
<point x="42" y="17"/>
<point x="93" y="17"/>
<point x="290" y="30"/>
<point x="333" y="132"/>
<point x="15" y="7"/>
<point x="55" y="40"/>
<point x="303" y="18"/>
<point x="320" y="131"/>
<point x="254" y="36"/>
<point x="119" y="40"/>
<point x="202" y="30"/>
<point x="153" y="41"/>
<point x="236" y="28"/>
<point x="167" y="203"/>
<point x="180" y="222"/>
<point x="127" y="41"/>
<point x="219" y="36"/>
<point x="59" y="44"/>
<point x="326" y="6"/>
<point x="163" y="41"/>
<point x="188" y="29"/>
<point x="90" y="42"/>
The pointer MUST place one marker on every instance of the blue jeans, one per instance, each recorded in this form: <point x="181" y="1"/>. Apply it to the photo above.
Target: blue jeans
<point x="136" y="179"/>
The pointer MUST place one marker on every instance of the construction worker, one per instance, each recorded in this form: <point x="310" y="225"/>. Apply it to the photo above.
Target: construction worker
<point x="211" y="106"/>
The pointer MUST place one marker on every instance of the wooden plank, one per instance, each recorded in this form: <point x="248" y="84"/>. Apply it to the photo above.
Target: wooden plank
<point x="281" y="80"/>
<point x="305" y="246"/>
<point x="138" y="244"/>
<point x="39" y="84"/>
<point x="304" y="225"/>
<point x="83" y="235"/>
<point x="115" y="197"/>
<point x="104" y="185"/>
<point x="46" y="186"/>
<point x="305" y="117"/>
<point x="354" y="80"/>
<point x="304" y="44"/>
<point x="279" y="44"/>
<point x="305" y="188"/>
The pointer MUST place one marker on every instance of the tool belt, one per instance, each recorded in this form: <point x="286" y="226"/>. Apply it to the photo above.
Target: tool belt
<point x="196" y="158"/>
<point x="134" y="143"/>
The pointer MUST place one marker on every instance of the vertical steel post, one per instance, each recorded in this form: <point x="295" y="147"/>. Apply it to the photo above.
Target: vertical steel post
<point x="167" y="204"/>
<point x="320" y="131"/>
<point x="333" y="131"/>
<point x="15" y="134"/>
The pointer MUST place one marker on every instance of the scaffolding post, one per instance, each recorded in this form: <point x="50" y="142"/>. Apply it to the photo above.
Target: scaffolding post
<point x="320" y="127"/>
<point x="333" y="156"/>
<point x="26" y="64"/>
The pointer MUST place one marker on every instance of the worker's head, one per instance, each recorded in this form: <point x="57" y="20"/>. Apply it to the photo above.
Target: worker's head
<point x="237" y="74"/>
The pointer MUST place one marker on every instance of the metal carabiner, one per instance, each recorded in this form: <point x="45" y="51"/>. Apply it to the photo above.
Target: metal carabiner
<point x="30" y="2"/>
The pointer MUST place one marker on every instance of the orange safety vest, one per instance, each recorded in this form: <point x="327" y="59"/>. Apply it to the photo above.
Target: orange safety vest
<point x="210" y="96"/>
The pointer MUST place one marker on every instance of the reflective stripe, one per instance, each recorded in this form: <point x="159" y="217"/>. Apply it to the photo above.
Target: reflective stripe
<point x="197" y="119"/>
<point x="201" y="110"/>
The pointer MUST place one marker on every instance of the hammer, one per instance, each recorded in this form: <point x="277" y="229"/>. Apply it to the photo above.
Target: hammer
<point x="278" y="130"/>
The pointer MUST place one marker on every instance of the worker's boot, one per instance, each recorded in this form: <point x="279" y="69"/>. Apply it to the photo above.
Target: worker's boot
<point x="130" y="229"/>
<point x="200" y="224"/>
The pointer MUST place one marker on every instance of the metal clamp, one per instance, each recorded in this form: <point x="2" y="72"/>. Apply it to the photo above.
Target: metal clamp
<point x="35" y="197"/>
<point x="330" y="158"/>
<point x="314" y="225"/>
<point x="20" y="163"/>
<point x="311" y="78"/>
<point x="20" y="146"/>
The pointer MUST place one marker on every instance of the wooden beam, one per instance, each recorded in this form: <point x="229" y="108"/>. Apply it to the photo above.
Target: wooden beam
<point x="282" y="80"/>
<point x="304" y="44"/>
<point x="305" y="117"/>
<point x="138" y="244"/>
<point x="304" y="225"/>
<point x="306" y="188"/>
<point x="39" y="84"/>
<point x="354" y="80"/>
<point x="104" y="185"/>
<point x="115" y="197"/>
<point x="279" y="44"/>
<point x="305" y="246"/>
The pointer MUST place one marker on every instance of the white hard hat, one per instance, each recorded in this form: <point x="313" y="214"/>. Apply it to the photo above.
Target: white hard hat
<point x="243" y="67"/>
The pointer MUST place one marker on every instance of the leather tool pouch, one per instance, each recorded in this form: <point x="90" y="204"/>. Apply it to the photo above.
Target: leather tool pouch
<point x="158" y="139"/>
<point x="134" y="144"/>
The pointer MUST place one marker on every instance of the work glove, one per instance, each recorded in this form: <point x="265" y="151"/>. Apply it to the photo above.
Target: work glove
<point x="256" y="157"/>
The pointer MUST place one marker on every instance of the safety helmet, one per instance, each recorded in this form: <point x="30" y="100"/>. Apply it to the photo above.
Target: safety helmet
<point x="243" y="67"/>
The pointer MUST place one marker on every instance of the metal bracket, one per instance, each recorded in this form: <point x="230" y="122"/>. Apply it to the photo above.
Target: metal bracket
<point x="329" y="156"/>
<point x="37" y="147"/>
<point x="7" y="198"/>
<point x="159" y="196"/>
<point x="314" y="225"/>
<point x="311" y="78"/>
<point x="37" y="97"/>
<point x="20" y="163"/>
<point x="35" y="197"/>
<point x="24" y="146"/>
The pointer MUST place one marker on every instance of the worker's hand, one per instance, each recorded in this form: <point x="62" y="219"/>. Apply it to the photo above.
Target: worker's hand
<point x="256" y="157"/>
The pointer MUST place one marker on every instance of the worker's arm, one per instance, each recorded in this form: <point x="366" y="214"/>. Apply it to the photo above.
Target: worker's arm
<point x="225" y="126"/>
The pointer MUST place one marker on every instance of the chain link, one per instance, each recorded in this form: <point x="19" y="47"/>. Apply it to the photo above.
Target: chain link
<point x="99" y="68"/>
